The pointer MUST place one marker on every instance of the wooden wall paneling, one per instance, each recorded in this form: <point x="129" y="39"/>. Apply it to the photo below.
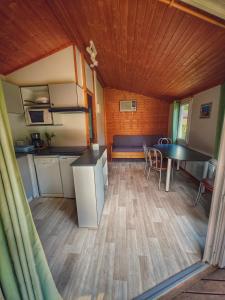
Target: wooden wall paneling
<point x="194" y="13"/>
<point x="29" y="32"/>
<point x="145" y="46"/>
<point x="94" y="110"/>
<point x="151" y="117"/>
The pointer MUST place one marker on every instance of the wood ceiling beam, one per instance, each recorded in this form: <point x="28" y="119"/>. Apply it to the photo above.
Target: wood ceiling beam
<point x="192" y="12"/>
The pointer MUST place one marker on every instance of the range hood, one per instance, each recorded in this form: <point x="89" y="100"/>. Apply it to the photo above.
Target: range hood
<point x="74" y="109"/>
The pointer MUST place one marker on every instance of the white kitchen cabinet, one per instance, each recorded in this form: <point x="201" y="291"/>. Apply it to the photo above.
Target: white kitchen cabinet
<point x="89" y="184"/>
<point x="12" y="98"/>
<point x="99" y="189"/>
<point x="26" y="176"/>
<point x="79" y="67"/>
<point x="63" y="94"/>
<point x="89" y="78"/>
<point x="49" y="176"/>
<point x="67" y="175"/>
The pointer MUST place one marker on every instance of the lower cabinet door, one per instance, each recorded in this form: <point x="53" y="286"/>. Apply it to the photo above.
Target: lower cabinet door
<point x="48" y="175"/>
<point x="26" y="177"/>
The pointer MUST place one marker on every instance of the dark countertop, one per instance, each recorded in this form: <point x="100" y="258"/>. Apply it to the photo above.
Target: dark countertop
<point x="89" y="158"/>
<point x="180" y="152"/>
<point x="76" y="151"/>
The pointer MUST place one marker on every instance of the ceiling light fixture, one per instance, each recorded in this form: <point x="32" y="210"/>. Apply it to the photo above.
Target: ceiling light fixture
<point x="92" y="52"/>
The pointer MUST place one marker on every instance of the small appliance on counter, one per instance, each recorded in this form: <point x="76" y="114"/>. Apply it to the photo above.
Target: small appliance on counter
<point x="36" y="140"/>
<point x="24" y="148"/>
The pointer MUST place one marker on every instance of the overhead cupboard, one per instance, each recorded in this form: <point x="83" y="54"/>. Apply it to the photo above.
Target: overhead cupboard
<point x="66" y="95"/>
<point x="12" y="97"/>
<point x="53" y="96"/>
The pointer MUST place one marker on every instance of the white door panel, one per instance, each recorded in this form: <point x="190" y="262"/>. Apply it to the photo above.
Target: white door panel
<point x="67" y="175"/>
<point x="48" y="174"/>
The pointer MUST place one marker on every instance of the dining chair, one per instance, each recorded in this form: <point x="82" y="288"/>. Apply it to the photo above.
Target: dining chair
<point x="165" y="140"/>
<point x="207" y="184"/>
<point x="156" y="163"/>
<point x="145" y="148"/>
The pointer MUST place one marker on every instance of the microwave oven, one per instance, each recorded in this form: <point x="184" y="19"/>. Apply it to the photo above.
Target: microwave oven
<point x="38" y="116"/>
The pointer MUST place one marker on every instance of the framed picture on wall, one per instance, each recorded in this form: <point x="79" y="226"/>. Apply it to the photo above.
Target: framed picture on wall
<point x="205" y="110"/>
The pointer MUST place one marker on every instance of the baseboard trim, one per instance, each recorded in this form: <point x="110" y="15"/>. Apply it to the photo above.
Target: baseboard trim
<point x="172" y="282"/>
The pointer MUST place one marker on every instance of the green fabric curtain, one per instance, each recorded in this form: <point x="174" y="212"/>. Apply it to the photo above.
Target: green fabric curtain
<point x="24" y="272"/>
<point x="220" y="121"/>
<point x="175" y="120"/>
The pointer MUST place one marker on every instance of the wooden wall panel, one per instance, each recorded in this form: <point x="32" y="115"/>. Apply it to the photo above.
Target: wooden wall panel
<point x="144" y="46"/>
<point x="29" y="31"/>
<point x="151" y="116"/>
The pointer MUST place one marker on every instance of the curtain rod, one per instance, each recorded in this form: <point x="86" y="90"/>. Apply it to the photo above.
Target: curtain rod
<point x="189" y="11"/>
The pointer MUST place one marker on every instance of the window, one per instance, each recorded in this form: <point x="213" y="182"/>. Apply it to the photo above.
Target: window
<point x="183" y="121"/>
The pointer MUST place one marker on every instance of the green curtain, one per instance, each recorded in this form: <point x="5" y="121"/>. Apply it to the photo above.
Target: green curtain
<point x="24" y="272"/>
<point x="175" y="120"/>
<point x="220" y="121"/>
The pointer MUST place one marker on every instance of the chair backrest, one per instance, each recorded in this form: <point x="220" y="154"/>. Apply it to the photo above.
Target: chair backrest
<point x="165" y="140"/>
<point x="155" y="158"/>
<point x="145" y="148"/>
<point x="212" y="165"/>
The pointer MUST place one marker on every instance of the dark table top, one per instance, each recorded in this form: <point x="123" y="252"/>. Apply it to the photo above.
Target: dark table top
<point x="89" y="158"/>
<point x="180" y="152"/>
<point x="76" y="151"/>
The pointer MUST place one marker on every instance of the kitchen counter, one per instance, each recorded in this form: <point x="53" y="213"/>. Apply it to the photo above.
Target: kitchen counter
<point x="76" y="151"/>
<point x="90" y="173"/>
<point x="89" y="157"/>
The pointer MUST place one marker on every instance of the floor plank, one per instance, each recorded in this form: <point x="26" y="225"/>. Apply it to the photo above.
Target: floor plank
<point x="145" y="235"/>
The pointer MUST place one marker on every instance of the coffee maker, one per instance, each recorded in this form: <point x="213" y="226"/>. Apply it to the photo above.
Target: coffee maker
<point x="36" y="140"/>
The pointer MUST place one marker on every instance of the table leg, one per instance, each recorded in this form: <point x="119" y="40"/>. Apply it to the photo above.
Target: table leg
<point x="168" y="173"/>
<point x="178" y="165"/>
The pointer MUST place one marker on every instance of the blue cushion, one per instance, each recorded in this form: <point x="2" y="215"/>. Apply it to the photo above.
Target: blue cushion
<point x="135" y="140"/>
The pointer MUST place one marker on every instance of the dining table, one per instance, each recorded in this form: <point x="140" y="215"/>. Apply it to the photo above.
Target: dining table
<point x="180" y="153"/>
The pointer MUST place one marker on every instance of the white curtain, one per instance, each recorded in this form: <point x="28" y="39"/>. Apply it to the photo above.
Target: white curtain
<point x="215" y="241"/>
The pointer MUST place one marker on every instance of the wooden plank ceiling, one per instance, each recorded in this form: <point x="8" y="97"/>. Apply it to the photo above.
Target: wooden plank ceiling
<point x="144" y="46"/>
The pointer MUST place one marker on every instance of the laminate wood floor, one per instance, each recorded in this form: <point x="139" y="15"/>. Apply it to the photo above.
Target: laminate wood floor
<point x="145" y="236"/>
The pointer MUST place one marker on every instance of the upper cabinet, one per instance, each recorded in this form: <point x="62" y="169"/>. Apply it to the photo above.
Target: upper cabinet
<point x="63" y="94"/>
<point x="89" y="78"/>
<point x="12" y="98"/>
<point x="79" y="67"/>
<point x="35" y="95"/>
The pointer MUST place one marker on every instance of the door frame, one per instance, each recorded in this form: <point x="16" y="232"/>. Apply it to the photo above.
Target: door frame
<point x="214" y="252"/>
<point x="94" y="117"/>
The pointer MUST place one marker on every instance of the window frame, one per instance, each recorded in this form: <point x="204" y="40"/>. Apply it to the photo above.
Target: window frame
<point x="186" y="140"/>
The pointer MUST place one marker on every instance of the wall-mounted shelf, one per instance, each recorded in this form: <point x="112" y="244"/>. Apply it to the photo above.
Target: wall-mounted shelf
<point x="37" y="125"/>
<point x="77" y="109"/>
